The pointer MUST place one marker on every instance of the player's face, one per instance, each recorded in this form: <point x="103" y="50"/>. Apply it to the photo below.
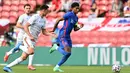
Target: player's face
<point x="27" y="9"/>
<point x="76" y="9"/>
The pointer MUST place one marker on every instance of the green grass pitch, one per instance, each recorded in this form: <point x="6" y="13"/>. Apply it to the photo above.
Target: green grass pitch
<point x="67" y="69"/>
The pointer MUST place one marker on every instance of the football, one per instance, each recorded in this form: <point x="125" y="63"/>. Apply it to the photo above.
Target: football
<point x="116" y="68"/>
<point x="80" y="25"/>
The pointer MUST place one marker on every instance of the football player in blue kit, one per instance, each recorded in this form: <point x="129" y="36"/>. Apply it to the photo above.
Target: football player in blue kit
<point x="65" y="44"/>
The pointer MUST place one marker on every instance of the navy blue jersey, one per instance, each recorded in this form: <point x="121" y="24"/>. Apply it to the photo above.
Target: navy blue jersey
<point x="70" y="20"/>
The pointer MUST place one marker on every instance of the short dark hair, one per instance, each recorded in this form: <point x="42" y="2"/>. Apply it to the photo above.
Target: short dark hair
<point x="74" y="4"/>
<point x="27" y="5"/>
<point x="44" y="7"/>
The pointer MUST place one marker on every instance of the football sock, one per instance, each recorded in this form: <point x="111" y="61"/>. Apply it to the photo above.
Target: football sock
<point x="57" y="46"/>
<point x="30" y="59"/>
<point x="17" y="47"/>
<point x="66" y="55"/>
<point x="10" y="52"/>
<point x="64" y="58"/>
<point x="15" y="62"/>
<point x="14" y="49"/>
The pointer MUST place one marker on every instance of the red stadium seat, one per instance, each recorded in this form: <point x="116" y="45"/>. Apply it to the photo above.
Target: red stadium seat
<point x="109" y="6"/>
<point x="6" y="8"/>
<point x="97" y="2"/>
<point x="4" y="14"/>
<point x="32" y="2"/>
<point x="103" y="2"/>
<point x="121" y="41"/>
<point x="128" y="34"/>
<point x="13" y="14"/>
<point x="103" y="40"/>
<point x="85" y="14"/>
<point x="20" y="12"/>
<point x="94" y="34"/>
<point x="86" y="40"/>
<point x="89" y="2"/>
<point x="112" y="14"/>
<point x="113" y="40"/>
<point x="23" y="2"/>
<point x="0" y="8"/>
<point x="7" y="2"/>
<point x="40" y="2"/>
<point x="14" y="7"/>
<point x="121" y="34"/>
<point x="0" y="14"/>
<point x="21" y="7"/>
<point x="85" y="7"/>
<point x="79" y="15"/>
<point x="110" y="1"/>
<point x="52" y="15"/>
<point x="60" y="14"/>
<point x="112" y="34"/>
<point x="94" y="40"/>
<point x="103" y="7"/>
<point x="15" y="2"/>
<point x="103" y="33"/>
<point x="12" y="20"/>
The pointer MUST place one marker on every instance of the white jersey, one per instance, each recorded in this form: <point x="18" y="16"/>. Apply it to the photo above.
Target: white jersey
<point x="37" y="24"/>
<point x="22" y="20"/>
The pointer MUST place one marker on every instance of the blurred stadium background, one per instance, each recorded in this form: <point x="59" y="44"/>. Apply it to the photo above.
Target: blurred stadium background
<point x="107" y="24"/>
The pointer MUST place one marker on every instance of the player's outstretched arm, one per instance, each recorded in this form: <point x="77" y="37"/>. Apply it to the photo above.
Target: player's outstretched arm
<point x="57" y="22"/>
<point x="48" y="33"/>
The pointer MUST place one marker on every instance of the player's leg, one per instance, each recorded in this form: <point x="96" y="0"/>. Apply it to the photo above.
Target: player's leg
<point x="13" y="50"/>
<point x="15" y="62"/>
<point x="30" y="63"/>
<point x="31" y="44"/>
<point x="65" y="49"/>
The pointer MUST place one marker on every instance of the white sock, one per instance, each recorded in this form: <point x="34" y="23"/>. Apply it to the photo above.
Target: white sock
<point x="10" y="52"/>
<point x="57" y="66"/>
<point x="24" y="49"/>
<point x="30" y="59"/>
<point x="57" y="47"/>
<point x="15" y="62"/>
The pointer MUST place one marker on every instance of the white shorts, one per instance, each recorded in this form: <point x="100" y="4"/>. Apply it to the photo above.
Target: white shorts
<point x="20" y="37"/>
<point x="28" y="43"/>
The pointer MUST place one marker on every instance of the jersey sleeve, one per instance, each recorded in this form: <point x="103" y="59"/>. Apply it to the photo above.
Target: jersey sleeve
<point x="32" y="19"/>
<point x="66" y="16"/>
<point x="20" y="20"/>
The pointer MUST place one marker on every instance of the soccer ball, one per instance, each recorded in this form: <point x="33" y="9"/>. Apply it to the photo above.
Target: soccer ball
<point x="116" y="68"/>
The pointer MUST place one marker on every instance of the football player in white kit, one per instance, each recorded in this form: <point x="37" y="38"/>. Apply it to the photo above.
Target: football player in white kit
<point x="20" y="23"/>
<point x="33" y="27"/>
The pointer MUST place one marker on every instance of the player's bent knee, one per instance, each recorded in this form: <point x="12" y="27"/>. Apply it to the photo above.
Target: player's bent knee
<point x="31" y="51"/>
<point x="24" y="57"/>
<point x="68" y="54"/>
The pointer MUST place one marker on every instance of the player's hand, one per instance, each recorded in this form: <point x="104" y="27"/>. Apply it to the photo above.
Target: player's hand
<point x="81" y="25"/>
<point x="53" y="35"/>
